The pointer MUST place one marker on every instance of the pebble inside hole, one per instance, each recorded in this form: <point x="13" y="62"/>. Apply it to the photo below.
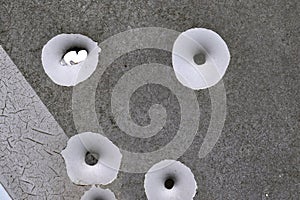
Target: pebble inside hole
<point x="169" y="183"/>
<point x="199" y="58"/>
<point x="74" y="56"/>
<point x="91" y="158"/>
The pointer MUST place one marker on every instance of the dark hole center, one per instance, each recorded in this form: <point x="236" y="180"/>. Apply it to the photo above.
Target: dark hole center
<point x="76" y="49"/>
<point x="169" y="183"/>
<point x="98" y="198"/>
<point x="91" y="158"/>
<point x="199" y="58"/>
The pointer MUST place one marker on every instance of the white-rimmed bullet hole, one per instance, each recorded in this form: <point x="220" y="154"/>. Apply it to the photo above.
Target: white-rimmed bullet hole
<point x="69" y="59"/>
<point x="97" y="193"/>
<point x="170" y="180"/>
<point x="186" y="66"/>
<point x="91" y="159"/>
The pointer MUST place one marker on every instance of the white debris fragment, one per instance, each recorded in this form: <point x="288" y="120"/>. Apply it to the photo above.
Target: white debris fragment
<point x="170" y="180"/>
<point x="73" y="57"/>
<point x="98" y="193"/>
<point x="108" y="159"/>
<point x="68" y="67"/>
<point x="200" y="41"/>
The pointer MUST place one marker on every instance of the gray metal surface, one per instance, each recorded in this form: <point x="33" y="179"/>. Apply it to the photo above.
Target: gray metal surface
<point x="257" y="155"/>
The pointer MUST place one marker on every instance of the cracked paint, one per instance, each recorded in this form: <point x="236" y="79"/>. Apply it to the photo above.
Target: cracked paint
<point x="30" y="141"/>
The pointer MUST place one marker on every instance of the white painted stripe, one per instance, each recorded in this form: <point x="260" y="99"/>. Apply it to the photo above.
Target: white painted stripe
<point x="3" y="194"/>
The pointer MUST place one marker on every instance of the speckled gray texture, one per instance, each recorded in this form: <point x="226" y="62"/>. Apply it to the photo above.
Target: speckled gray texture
<point x="258" y="152"/>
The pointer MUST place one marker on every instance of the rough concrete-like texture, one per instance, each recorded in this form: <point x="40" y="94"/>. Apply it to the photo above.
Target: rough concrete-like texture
<point x="258" y="152"/>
